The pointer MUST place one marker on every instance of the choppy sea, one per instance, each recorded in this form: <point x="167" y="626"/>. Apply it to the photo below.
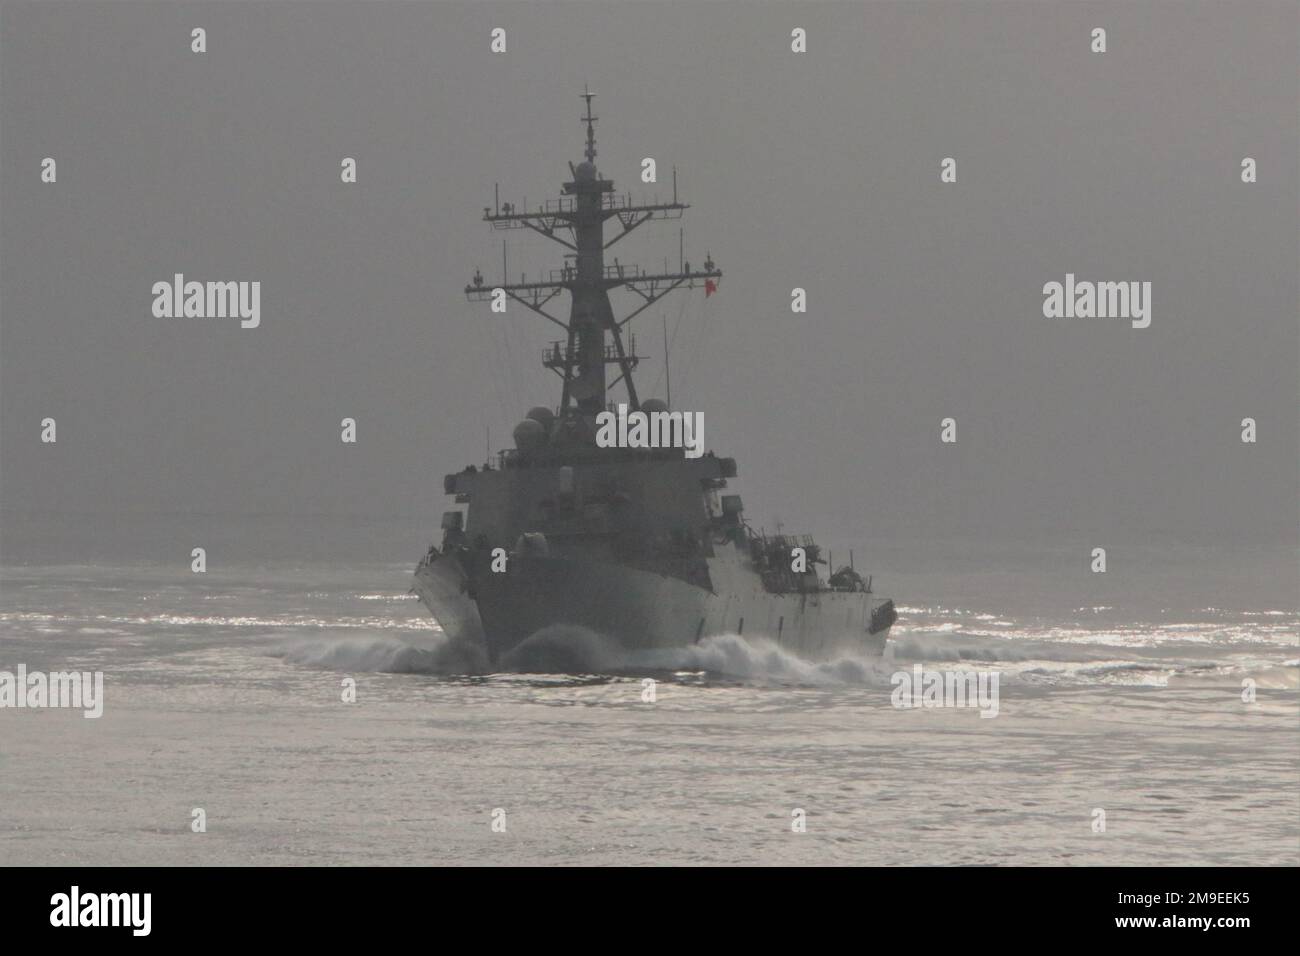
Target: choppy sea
<point x="223" y="691"/>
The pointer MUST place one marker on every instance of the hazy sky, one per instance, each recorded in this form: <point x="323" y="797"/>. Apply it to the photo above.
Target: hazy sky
<point x="818" y="170"/>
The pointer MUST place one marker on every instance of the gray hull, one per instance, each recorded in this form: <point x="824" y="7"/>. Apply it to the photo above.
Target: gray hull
<point x="641" y="610"/>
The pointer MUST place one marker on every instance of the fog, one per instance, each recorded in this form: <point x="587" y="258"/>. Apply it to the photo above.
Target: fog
<point x="818" y="170"/>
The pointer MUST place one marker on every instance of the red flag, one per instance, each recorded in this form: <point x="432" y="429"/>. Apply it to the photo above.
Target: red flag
<point x="710" y="287"/>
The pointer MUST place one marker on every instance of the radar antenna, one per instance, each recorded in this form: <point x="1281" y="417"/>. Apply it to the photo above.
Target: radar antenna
<point x="576" y="221"/>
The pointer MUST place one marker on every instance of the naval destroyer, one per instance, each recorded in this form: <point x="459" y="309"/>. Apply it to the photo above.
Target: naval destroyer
<point x="643" y="546"/>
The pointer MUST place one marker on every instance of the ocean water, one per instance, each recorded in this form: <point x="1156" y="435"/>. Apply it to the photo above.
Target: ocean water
<point x="223" y="691"/>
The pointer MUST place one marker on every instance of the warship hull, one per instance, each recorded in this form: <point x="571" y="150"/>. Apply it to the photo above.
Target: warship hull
<point x="640" y="610"/>
<point x="615" y="522"/>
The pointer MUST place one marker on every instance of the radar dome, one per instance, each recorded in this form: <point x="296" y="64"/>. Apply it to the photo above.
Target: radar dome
<point x="654" y="405"/>
<point x="542" y="415"/>
<point x="529" y="435"/>
<point x="585" y="171"/>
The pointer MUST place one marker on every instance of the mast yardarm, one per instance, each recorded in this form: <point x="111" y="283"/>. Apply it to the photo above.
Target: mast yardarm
<point x="593" y="339"/>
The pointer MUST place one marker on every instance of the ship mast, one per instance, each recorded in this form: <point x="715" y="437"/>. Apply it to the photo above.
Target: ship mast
<point x="577" y="222"/>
